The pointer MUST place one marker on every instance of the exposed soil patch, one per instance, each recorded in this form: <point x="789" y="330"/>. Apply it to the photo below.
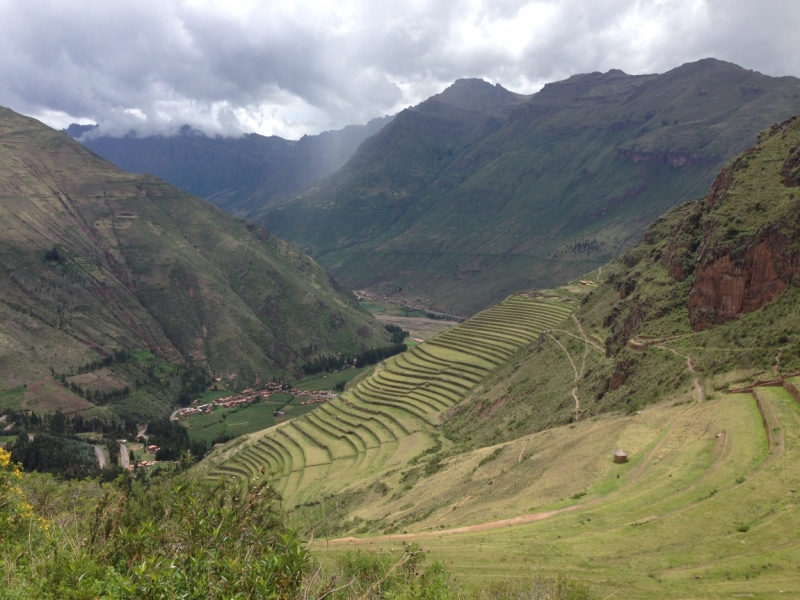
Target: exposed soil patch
<point x="419" y="327"/>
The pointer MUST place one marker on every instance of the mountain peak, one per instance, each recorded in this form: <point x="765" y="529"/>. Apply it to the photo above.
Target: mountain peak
<point x="477" y="95"/>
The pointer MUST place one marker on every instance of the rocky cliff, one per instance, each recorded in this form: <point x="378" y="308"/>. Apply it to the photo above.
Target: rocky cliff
<point x="749" y="252"/>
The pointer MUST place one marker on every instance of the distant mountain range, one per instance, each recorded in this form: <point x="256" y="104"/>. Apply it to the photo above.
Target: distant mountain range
<point x="478" y="192"/>
<point x="95" y="261"/>
<point x="239" y="175"/>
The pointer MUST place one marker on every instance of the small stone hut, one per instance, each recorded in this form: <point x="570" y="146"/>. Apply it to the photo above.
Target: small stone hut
<point x="620" y="456"/>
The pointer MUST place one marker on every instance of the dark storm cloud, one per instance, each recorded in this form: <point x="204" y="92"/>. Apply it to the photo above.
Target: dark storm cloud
<point x="297" y="67"/>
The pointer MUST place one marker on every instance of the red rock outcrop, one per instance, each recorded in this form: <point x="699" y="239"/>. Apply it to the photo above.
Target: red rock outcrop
<point x="726" y="288"/>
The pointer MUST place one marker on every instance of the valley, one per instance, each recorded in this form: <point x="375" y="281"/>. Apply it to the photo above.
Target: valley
<point x="478" y="192"/>
<point x="556" y="363"/>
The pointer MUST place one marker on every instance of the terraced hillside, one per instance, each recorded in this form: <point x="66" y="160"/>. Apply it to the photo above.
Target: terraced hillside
<point x="707" y="507"/>
<point x="390" y="418"/>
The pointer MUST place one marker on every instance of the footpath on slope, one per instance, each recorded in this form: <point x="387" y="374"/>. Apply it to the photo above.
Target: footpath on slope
<point x="521" y="520"/>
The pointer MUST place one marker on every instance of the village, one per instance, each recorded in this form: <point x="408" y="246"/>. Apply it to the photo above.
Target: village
<point x="249" y="396"/>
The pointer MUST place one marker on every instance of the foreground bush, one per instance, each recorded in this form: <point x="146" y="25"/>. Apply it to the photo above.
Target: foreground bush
<point x="176" y="536"/>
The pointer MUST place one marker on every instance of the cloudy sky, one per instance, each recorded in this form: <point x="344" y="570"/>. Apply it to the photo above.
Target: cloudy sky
<point x="293" y="67"/>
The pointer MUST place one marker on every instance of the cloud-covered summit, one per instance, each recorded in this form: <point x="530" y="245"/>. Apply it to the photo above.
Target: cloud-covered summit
<point x="289" y="68"/>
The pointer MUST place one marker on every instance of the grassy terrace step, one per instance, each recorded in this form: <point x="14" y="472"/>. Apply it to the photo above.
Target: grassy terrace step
<point x="380" y="425"/>
<point x="249" y="461"/>
<point x="332" y="429"/>
<point x="410" y="408"/>
<point x="443" y="387"/>
<point x="504" y="329"/>
<point x="412" y="419"/>
<point x="465" y="373"/>
<point x="500" y="334"/>
<point x="457" y="346"/>
<point x="526" y="316"/>
<point x="283" y="457"/>
<point x="275" y="464"/>
<point x="456" y="384"/>
<point x="382" y="416"/>
<point x="316" y="452"/>
<point x="290" y="445"/>
<point x="467" y="358"/>
<point x="339" y="443"/>
<point x="501" y="348"/>
<point x="518" y="323"/>
<point x="479" y="336"/>
<point x="390" y="417"/>
<point x="406" y="384"/>
<point x="364" y="429"/>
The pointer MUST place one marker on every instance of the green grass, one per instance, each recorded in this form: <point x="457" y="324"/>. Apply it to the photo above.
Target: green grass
<point x="327" y="381"/>
<point x="692" y="514"/>
<point x="204" y="278"/>
<point x="389" y="417"/>
<point x="12" y="398"/>
<point x="239" y="421"/>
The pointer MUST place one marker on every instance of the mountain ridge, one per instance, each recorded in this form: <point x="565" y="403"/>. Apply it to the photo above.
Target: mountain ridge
<point x="96" y="261"/>
<point x="465" y="208"/>
<point x="236" y="174"/>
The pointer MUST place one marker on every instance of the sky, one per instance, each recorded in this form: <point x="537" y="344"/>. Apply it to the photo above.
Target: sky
<point x="299" y="67"/>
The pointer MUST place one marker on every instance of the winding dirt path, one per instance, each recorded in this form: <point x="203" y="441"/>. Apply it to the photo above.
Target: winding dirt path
<point x="575" y="370"/>
<point x="466" y="529"/>
<point x="698" y="389"/>
<point x="522" y="452"/>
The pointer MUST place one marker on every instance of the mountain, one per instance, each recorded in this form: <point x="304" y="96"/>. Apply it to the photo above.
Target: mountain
<point x="96" y="263"/>
<point x="616" y="428"/>
<point x="478" y="192"/>
<point x="237" y="174"/>
<point x="707" y="299"/>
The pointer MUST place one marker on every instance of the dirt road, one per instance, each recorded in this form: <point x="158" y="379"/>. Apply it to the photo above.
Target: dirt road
<point x="466" y="529"/>
<point x="101" y="458"/>
<point x="124" y="457"/>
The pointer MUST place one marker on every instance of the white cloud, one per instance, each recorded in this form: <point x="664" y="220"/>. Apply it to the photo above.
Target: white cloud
<point x="294" y="67"/>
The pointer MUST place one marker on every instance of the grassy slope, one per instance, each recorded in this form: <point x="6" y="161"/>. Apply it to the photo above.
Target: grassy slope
<point x="536" y="393"/>
<point x="707" y="505"/>
<point x="148" y="266"/>
<point x="467" y="207"/>
<point x="692" y="514"/>
<point x="384" y="426"/>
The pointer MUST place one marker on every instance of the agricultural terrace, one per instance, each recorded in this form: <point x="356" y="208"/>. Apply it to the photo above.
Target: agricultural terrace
<point x="707" y="507"/>
<point x="389" y="418"/>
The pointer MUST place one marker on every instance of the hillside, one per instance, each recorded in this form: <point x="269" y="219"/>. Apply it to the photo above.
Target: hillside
<point x="707" y="298"/>
<point x="385" y="428"/>
<point x="478" y="192"/>
<point x="683" y="352"/>
<point x="239" y="175"/>
<point x="102" y="266"/>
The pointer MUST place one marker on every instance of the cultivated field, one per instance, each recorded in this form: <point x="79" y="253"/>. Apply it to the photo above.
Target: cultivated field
<point x="389" y="418"/>
<point x="707" y="507"/>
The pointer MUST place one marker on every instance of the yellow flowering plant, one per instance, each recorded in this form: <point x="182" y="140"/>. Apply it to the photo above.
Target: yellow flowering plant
<point x="16" y="513"/>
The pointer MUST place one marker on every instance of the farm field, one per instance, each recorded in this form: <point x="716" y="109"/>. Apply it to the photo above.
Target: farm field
<point x="327" y="381"/>
<point x="389" y="418"/>
<point x="243" y="420"/>
<point x="417" y="327"/>
<point x="707" y="507"/>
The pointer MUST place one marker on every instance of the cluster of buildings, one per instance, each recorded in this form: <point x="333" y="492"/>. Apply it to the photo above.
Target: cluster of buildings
<point x="244" y="397"/>
<point x="248" y="396"/>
